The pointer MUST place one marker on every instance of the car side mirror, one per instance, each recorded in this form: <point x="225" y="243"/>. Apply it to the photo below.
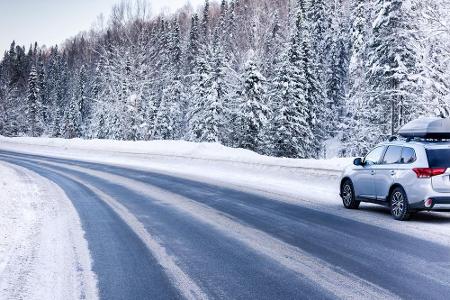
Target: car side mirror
<point x="358" y="162"/>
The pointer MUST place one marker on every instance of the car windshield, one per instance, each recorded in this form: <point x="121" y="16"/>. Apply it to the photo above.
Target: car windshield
<point x="439" y="158"/>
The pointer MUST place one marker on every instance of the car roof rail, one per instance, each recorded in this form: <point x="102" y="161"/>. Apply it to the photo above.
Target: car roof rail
<point x="393" y="138"/>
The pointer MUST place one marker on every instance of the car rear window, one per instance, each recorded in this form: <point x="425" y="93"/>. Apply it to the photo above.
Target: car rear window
<point x="438" y="158"/>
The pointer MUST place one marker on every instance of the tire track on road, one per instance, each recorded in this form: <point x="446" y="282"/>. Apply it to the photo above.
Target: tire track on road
<point x="338" y="281"/>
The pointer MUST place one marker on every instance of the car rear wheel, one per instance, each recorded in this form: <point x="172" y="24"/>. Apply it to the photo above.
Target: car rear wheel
<point x="348" y="195"/>
<point x="400" y="209"/>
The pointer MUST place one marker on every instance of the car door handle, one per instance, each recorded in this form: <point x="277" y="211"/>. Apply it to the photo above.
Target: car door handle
<point x="372" y="172"/>
<point x="392" y="172"/>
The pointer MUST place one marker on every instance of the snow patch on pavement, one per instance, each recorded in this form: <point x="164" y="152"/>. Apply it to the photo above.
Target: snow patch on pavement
<point x="43" y="253"/>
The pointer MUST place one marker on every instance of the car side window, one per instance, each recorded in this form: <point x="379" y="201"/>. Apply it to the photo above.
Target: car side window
<point x="408" y="156"/>
<point x="374" y="157"/>
<point x="392" y="156"/>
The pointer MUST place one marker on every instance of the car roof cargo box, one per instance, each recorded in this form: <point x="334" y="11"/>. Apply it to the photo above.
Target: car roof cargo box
<point x="427" y="128"/>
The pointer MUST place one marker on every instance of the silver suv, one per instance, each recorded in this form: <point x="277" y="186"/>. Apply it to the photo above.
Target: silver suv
<point x="407" y="176"/>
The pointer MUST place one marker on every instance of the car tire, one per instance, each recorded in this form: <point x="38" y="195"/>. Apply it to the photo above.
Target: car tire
<point x="348" y="195"/>
<point x="399" y="204"/>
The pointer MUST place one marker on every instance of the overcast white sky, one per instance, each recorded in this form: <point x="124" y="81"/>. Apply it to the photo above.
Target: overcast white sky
<point x="50" y="22"/>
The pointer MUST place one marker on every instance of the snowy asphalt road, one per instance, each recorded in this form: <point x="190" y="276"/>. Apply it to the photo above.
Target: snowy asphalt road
<point x="205" y="241"/>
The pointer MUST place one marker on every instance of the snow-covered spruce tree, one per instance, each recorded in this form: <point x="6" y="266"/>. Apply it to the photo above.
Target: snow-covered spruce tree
<point x="72" y="120"/>
<point x="168" y="120"/>
<point x="336" y="84"/>
<point x="82" y="95"/>
<point x="193" y="47"/>
<point x="57" y="129"/>
<point x="436" y="45"/>
<point x="51" y="87"/>
<point x="200" y="91"/>
<point x="290" y="134"/>
<point x="8" y="110"/>
<point x="273" y="46"/>
<point x="214" y="106"/>
<point x="205" y="22"/>
<point x="102" y="129"/>
<point x="318" y="12"/>
<point x="42" y="91"/>
<point x="225" y="74"/>
<point x="356" y="131"/>
<point x="253" y="111"/>
<point x="206" y="113"/>
<point x="314" y="94"/>
<point x="393" y="67"/>
<point x="34" y="109"/>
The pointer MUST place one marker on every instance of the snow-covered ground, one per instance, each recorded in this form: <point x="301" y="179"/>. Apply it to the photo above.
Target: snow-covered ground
<point x="173" y="149"/>
<point x="43" y="253"/>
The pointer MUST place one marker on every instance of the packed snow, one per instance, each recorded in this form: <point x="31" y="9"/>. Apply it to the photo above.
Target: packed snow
<point x="43" y="253"/>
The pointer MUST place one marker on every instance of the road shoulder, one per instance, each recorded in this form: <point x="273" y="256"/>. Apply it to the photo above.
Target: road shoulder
<point x="43" y="253"/>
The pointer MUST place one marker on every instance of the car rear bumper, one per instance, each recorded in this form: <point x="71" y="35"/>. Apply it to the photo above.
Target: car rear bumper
<point x="438" y="204"/>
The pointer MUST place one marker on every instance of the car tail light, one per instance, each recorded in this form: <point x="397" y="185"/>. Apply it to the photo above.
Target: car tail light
<point x="428" y="172"/>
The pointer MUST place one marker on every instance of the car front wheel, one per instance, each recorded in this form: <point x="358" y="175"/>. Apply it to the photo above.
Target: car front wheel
<point x="348" y="195"/>
<point x="400" y="209"/>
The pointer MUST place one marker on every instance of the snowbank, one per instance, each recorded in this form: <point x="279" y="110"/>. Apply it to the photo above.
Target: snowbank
<point x="172" y="149"/>
<point x="43" y="253"/>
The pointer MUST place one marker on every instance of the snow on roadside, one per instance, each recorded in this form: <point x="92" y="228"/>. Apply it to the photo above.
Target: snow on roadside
<point x="43" y="253"/>
<point x="181" y="149"/>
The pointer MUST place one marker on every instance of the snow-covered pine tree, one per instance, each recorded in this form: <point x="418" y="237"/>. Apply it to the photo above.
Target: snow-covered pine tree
<point x="317" y="12"/>
<point x="393" y="67"/>
<point x="9" y="110"/>
<point x="290" y="133"/>
<point x="102" y="129"/>
<point x="82" y="95"/>
<point x="253" y="110"/>
<point x="42" y="91"/>
<point x="170" y="121"/>
<point x="314" y="93"/>
<point x="57" y="128"/>
<point x="435" y="40"/>
<point x="273" y="46"/>
<point x="34" y="110"/>
<point x="214" y="106"/>
<point x="193" y="47"/>
<point x="356" y="133"/>
<point x="336" y="85"/>
<point x="200" y="91"/>
<point x="205" y="22"/>
<point x="72" y="120"/>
